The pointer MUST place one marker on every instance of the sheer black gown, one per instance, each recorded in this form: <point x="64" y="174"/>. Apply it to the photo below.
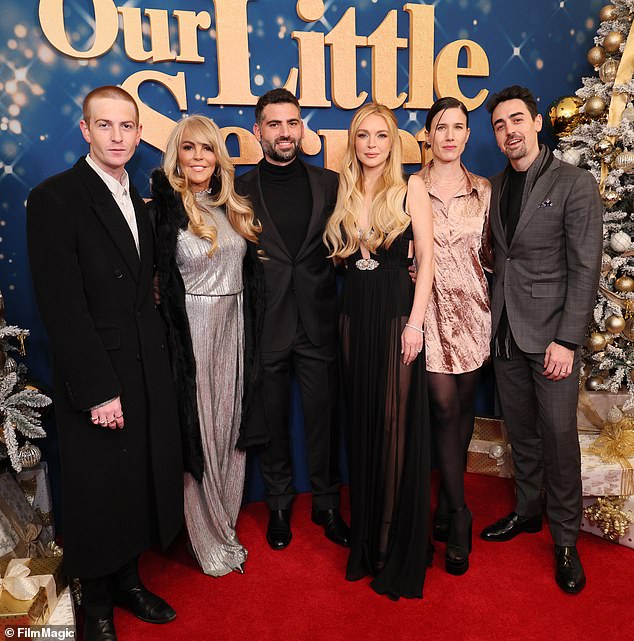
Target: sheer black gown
<point x="389" y="425"/>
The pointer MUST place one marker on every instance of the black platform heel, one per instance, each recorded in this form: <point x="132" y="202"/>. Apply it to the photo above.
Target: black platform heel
<point x="459" y="541"/>
<point x="442" y="519"/>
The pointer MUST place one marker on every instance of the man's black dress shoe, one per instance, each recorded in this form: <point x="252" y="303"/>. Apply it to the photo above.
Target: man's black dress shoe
<point x="278" y="534"/>
<point x="569" y="571"/>
<point x="145" y="605"/>
<point x="335" y="527"/>
<point x="510" y="526"/>
<point x="99" y="629"/>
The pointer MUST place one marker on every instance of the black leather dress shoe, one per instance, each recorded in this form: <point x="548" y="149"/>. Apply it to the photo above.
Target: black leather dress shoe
<point x="510" y="526"/>
<point x="99" y="629"/>
<point x="278" y="534"/>
<point x="335" y="527"/>
<point x="569" y="572"/>
<point x="145" y="605"/>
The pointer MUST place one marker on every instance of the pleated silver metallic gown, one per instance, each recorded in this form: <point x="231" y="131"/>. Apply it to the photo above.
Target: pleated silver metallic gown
<point x="213" y="300"/>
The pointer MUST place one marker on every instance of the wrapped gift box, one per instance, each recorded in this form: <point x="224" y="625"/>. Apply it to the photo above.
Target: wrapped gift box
<point x="46" y="576"/>
<point x="21" y="527"/>
<point x="34" y="484"/>
<point x="64" y="613"/>
<point x="603" y="479"/>
<point x="489" y="451"/>
<point x="593" y="408"/>
<point x="595" y="528"/>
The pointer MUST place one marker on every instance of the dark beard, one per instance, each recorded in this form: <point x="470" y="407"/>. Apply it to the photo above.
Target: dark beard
<point x="271" y="152"/>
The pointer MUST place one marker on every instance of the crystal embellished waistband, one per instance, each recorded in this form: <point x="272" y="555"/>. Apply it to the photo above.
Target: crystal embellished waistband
<point x="365" y="264"/>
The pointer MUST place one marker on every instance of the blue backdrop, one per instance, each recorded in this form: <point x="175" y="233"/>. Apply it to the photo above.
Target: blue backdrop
<point x="541" y="44"/>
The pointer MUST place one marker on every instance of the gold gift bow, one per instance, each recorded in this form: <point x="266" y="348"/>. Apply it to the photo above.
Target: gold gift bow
<point x="608" y="515"/>
<point x="28" y="533"/>
<point x="618" y="100"/>
<point x="18" y="577"/>
<point x="615" y="444"/>
<point x="587" y="409"/>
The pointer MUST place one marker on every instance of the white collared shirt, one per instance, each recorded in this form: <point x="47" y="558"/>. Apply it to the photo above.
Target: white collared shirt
<point x="121" y="193"/>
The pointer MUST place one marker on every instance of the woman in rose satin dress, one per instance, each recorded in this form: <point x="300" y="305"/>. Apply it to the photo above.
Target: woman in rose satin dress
<point x="457" y="321"/>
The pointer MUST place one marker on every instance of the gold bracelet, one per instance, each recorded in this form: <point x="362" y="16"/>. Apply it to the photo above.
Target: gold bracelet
<point x="418" y="329"/>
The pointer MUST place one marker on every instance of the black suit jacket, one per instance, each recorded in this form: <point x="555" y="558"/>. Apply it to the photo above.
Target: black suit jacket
<point x="303" y="286"/>
<point x="121" y="488"/>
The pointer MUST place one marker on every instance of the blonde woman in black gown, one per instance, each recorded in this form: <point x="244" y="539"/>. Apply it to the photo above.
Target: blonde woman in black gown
<point x="380" y="223"/>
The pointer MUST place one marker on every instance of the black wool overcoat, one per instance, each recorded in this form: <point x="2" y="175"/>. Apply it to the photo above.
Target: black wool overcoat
<point x="122" y="489"/>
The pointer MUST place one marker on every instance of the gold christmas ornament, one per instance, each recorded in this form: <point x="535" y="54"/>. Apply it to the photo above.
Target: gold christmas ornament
<point x="29" y="455"/>
<point x="603" y="148"/>
<point x="615" y="324"/>
<point x="593" y="382"/>
<point x="564" y="115"/>
<point x="610" y="198"/>
<point x="596" y="56"/>
<point x="624" y="160"/>
<point x="607" y="13"/>
<point x="595" y="106"/>
<point x="596" y="342"/>
<point x="628" y="330"/>
<point x="624" y="284"/>
<point x="607" y="71"/>
<point x="612" y="41"/>
<point x="608" y="515"/>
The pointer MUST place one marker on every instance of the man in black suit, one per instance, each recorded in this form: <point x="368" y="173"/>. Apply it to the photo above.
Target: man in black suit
<point x="546" y="223"/>
<point x="293" y="201"/>
<point x="92" y="261"/>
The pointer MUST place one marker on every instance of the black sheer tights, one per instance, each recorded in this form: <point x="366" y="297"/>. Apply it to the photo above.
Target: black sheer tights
<point x="452" y="400"/>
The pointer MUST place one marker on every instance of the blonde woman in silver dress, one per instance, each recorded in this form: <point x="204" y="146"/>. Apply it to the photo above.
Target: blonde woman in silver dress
<point x="210" y="285"/>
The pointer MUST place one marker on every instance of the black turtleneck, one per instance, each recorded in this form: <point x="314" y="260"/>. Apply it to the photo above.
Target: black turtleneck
<point x="289" y="200"/>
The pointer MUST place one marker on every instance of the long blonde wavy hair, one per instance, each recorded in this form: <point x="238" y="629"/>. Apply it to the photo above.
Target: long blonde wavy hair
<point x="387" y="219"/>
<point x="204" y="131"/>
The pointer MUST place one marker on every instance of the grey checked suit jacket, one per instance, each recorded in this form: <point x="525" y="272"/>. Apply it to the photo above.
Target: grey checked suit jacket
<point x="548" y="275"/>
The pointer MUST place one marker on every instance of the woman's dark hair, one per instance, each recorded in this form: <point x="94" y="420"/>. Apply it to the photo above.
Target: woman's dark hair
<point x="442" y="104"/>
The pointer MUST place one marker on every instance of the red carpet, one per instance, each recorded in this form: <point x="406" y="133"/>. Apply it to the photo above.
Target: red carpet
<point x="300" y="594"/>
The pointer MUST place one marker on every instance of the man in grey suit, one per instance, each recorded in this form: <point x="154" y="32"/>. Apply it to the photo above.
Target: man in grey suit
<point x="546" y="223"/>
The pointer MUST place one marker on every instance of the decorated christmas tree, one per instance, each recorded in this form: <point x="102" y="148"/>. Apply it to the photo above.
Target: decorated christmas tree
<point x="596" y="131"/>
<point x="21" y="403"/>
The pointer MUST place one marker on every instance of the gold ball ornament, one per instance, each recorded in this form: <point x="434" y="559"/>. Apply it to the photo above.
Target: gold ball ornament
<point x="564" y="115"/>
<point x="607" y="71"/>
<point x="607" y="13"/>
<point x="594" y="106"/>
<point x="624" y="284"/>
<point x="29" y="455"/>
<point x="612" y="41"/>
<point x="610" y="198"/>
<point x="593" y="382"/>
<point x="603" y="148"/>
<point x="596" y="342"/>
<point x="624" y="161"/>
<point x="628" y="330"/>
<point x="596" y="56"/>
<point x="615" y="324"/>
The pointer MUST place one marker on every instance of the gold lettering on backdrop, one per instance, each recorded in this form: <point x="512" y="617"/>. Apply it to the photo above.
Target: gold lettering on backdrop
<point x="249" y="149"/>
<point x="156" y="126"/>
<point x="51" y="14"/>
<point x="385" y="43"/>
<point x="343" y="42"/>
<point x="446" y="71"/>
<point x="133" y="35"/>
<point x="312" y="80"/>
<point x="421" y="55"/>
<point x="234" y="83"/>
<point x="189" y="22"/>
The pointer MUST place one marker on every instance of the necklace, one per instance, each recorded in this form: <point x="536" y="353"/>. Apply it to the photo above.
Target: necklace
<point x="448" y="181"/>
<point x="364" y="235"/>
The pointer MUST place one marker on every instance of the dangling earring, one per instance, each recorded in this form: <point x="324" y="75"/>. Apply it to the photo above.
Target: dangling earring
<point x="178" y="170"/>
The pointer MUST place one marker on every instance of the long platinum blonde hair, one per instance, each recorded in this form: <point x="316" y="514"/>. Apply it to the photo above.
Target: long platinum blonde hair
<point x="387" y="218"/>
<point x="203" y="130"/>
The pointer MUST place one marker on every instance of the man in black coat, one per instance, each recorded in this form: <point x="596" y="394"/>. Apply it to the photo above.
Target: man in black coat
<point x="92" y="261"/>
<point x="293" y="201"/>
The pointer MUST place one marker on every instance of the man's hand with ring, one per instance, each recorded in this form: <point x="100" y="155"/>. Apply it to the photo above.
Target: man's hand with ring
<point x="109" y="415"/>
